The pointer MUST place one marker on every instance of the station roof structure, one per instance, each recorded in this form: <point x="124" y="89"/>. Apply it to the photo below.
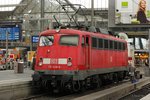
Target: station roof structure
<point x="9" y="5"/>
<point x="31" y="10"/>
<point x="18" y="7"/>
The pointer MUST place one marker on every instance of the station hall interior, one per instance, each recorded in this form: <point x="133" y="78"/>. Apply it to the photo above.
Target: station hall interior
<point x="25" y="23"/>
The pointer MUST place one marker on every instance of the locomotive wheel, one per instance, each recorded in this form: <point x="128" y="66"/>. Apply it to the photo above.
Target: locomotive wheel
<point x="99" y="82"/>
<point x="115" y="77"/>
<point x="48" y="86"/>
<point x="76" y="86"/>
<point x="120" y="76"/>
<point x="83" y="88"/>
<point x="37" y="84"/>
<point x="88" y="83"/>
<point x="96" y="82"/>
<point x="56" y="90"/>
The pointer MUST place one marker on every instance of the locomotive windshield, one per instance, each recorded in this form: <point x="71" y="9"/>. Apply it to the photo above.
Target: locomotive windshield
<point x="69" y="40"/>
<point x="46" y="40"/>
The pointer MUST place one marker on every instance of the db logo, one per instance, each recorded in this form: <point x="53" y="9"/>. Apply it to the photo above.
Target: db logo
<point x="53" y="61"/>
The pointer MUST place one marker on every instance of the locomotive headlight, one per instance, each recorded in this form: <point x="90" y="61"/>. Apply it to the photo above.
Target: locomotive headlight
<point x="69" y="62"/>
<point x="40" y="63"/>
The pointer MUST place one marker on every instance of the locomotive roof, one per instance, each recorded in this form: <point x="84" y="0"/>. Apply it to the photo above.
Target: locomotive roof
<point x="73" y="31"/>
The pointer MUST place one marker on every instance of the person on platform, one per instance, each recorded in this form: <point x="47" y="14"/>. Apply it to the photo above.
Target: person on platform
<point x="132" y="72"/>
<point x="33" y="61"/>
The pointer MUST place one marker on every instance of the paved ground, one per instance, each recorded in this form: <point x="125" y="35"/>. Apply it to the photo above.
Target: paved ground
<point x="9" y="75"/>
<point x="144" y="70"/>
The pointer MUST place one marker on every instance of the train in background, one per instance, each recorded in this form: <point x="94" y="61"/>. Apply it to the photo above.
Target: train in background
<point x="130" y="46"/>
<point x="141" y="57"/>
<point x="69" y="59"/>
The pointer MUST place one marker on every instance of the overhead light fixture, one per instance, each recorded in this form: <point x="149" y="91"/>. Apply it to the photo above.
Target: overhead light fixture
<point x="29" y="11"/>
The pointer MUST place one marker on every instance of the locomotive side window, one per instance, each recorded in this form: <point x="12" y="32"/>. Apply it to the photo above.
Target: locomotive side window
<point x="94" y="42"/>
<point x="106" y="44"/>
<point x="119" y="46"/>
<point x="100" y="43"/>
<point x="46" y="40"/>
<point x="71" y="40"/>
<point x="115" y="45"/>
<point x="123" y="46"/>
<point x="111" y="44"/>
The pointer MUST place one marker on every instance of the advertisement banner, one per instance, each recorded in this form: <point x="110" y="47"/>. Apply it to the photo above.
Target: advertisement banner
<point x="132" y="12"/>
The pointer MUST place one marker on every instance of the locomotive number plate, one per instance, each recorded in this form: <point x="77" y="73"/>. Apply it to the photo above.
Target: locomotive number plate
<point x="54" y="61"/>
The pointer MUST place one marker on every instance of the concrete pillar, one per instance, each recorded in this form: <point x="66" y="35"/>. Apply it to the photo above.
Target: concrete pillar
<point x="42" y="15"/>
<point x="148" y="69"/>
<point x="6" y="55"/>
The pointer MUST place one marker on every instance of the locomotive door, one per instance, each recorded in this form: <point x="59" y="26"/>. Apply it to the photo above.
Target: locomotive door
<point x="87" y="52"/>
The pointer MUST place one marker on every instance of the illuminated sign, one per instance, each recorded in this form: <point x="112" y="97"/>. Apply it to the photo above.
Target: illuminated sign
<point x="13" y="33"/>
<point x="35" y="39"/>
<point x="11" y="56"/>
<point x="132" y="12"/>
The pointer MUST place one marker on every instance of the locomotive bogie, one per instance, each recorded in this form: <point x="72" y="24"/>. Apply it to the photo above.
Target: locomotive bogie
<point x="66" y="82"/>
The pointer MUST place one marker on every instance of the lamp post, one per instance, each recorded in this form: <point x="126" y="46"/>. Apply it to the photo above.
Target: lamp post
<point x="149" y="54"/>
<point x="31" y="45"/>
<point x="92" y="12"/>
<point x="6" y="48"/>
<point x="42" y="15"/>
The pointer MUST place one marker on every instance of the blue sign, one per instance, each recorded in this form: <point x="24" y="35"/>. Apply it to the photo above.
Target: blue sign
<point x="1" y="52"/>
<point x="13" y="33"/>
<point x="35" y="39"/>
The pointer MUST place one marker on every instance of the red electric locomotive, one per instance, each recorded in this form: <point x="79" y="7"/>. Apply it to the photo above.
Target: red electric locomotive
<point x="73" y="59"/>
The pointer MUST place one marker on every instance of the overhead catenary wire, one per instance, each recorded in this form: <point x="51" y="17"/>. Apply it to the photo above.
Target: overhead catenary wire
<point x="70" y="18"/>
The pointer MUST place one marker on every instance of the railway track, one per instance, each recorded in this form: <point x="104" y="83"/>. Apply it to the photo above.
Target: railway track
<point x="138" y="94"/>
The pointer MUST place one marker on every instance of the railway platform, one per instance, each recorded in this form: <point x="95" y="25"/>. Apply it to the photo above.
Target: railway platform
<point x="8" y="76"/>
<point x="147" y="97"/>
<point x="15" y="85"/>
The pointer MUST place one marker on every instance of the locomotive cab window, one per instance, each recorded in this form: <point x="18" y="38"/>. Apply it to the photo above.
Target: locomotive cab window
<point x="46" y="40"/>
<point x="69" y="40"/>
<point x="87" y="41"/>
<point x="94" y="42"/>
